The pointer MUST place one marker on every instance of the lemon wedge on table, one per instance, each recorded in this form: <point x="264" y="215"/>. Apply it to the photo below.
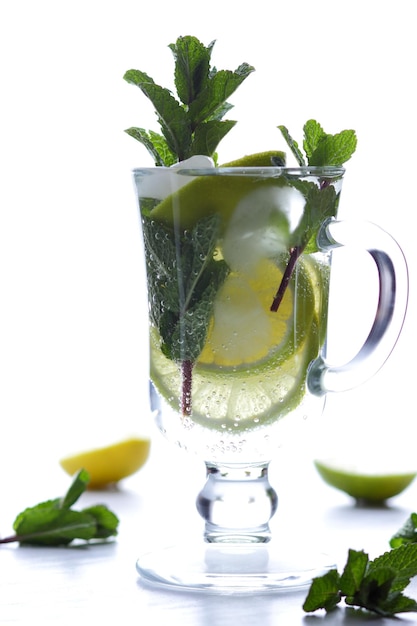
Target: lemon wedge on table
<point x="111" y="463"/>
<point x="364" y="486"/>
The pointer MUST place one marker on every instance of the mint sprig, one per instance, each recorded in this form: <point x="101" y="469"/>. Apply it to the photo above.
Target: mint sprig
<point x="55" y="523"/>
<point x="191" y="123"/>
<point x="375" y="585"/>
<point x="321" y="149"/>
<point x="183" y="279"/>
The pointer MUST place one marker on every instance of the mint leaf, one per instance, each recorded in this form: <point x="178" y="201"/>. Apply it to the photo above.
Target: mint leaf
<point x="106" y="522"/>
<point x="37" y="527"/>
<point x="372" y="585"/>
<point x="192" y="66"/>
<point x="54" y="523"/>
<point x="321" y="201"/>
<point x="155" y="144"/>
<point x="313" y="134"/>
<point x="323" y="593"/>
<point x="183" y="280"/>
<point x="293" y="146"/>
<point x="354" y="572"/>
<point x="172" y="116"/>
<point x="208" y="135"/>
<point x="321" y="148"/>
<point x="191" y="123"/>
<point x="334" y="149"/>
<point x="78" y="486"/>
<point x="407" y="533"/>
<point x="220" y="86"/>
<point x="402" y="560"/>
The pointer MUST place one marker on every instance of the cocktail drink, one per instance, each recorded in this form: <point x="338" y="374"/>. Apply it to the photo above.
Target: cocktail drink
<point x="238" y="267"/>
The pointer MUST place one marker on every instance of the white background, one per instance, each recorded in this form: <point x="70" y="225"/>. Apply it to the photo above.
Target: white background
<point x="73" y="341"/>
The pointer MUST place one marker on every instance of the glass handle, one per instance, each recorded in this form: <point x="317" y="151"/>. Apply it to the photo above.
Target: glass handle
<point x="390" y="313"/>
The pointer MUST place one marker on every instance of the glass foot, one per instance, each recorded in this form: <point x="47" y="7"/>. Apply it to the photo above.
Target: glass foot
<point x="231" y="568"/>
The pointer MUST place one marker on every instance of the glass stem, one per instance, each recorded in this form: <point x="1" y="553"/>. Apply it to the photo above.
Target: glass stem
<point x="237" y="503"/>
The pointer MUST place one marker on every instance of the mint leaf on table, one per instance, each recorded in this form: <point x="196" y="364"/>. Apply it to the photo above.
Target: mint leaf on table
<point x="407" y="533"/>
<point x="191" y="123"/>
<point x="54" y="523"/>
<point x="324" y="592"/>
<point x="376" y="585"/>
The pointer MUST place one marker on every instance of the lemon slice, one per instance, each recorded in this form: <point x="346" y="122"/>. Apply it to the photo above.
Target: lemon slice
<point x="363" y="486"/>
<point x="111" y="463"/>
<point x="213" y="193"/>
<point x="252" y="369"/>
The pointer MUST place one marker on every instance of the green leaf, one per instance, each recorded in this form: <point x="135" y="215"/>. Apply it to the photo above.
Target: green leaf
<point x="321" y="203"/>
<point x="374" y="589"/>
<point x="407" y="533"/>
<point x="397" y="603"/>
<point x="373" y="585"/>
<point x="293" y="146"/>
<point x="155" y="144"/>
<point x="172" y="117"/>
<point x="323" y="593"/>
<point x="218" y="90"/>
<point x="208" y="135"/>
<point x="105" y="520"/>
<point x="54" y="523"/>
<point x="402" y="560"/>
<point x="202" y="98"/>
<point x="192" y="65"/>
<point x="334" y="149"/>
<point x="67" y="526"/>
<point x="354" y="572"/>
<point x="183" y="279"/>
<point x="313" y="134"/>
<point x="77" y="487"/>
<point x="43" y="513"/>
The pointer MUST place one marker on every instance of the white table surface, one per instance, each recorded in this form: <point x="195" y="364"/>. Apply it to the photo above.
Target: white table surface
<point x="98" y="584"/>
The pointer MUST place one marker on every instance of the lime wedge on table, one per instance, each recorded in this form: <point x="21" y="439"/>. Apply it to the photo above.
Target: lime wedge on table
<point x="363" y="485"/>
<point x="213" y="193"/>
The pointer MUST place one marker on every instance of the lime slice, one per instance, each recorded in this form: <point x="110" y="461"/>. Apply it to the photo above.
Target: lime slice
<point x="364" y="486"/>
<point x="259" y="159"/>
<point x="111" y="463"/>
<point x="213" y="193"/>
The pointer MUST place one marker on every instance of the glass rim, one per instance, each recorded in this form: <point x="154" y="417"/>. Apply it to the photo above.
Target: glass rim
<point x="270" y="171"/>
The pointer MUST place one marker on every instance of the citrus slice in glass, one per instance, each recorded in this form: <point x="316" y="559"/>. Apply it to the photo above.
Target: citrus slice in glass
<point x="214" y="192"/>
<point x="253" y="367"/>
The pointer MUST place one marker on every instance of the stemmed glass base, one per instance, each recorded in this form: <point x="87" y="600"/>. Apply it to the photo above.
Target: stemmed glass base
<point x="232" y="568"/>
<point x="237" y="554"/>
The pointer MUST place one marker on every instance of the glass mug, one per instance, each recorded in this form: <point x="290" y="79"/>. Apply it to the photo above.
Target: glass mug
<point x="238" y="270"/>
